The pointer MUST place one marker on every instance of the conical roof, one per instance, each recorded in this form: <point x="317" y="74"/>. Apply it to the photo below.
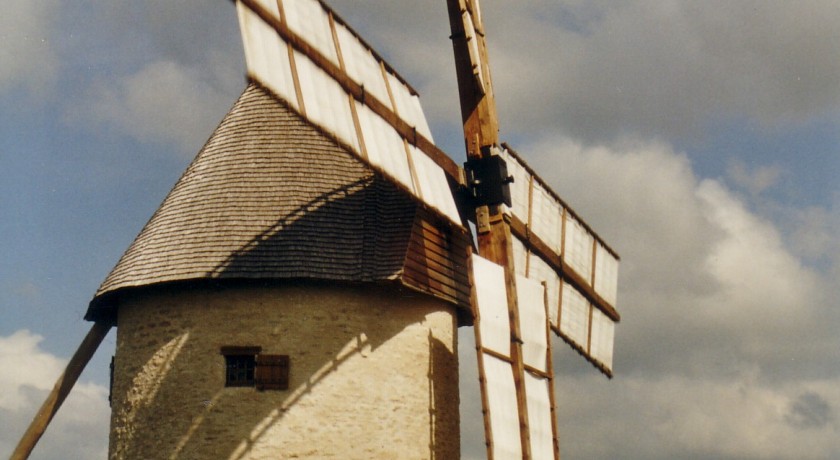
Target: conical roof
<point x="270" y="196"/>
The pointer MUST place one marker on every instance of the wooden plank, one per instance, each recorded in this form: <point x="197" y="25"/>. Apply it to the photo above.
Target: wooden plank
<point x="459" y="236"/>
<point x="494" y="354"/>
<point x="550" y="376"/>
<point x="442" y="265"/>
<point x="441" y="245"/>
<point x="421" y="281"/>
<point x="428" y="231"/>
<point x="438" y="251"/>
<point x="416" y="265"/>
<point x="60" y="390"/>
<point x="533" y="370"/>
<point x="451" y="246"/>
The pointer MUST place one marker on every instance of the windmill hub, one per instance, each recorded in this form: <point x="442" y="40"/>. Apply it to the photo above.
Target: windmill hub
<point x="488" y="179"/>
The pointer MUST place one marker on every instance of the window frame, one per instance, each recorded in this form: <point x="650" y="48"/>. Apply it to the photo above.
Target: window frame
<point x="261" y="371"/>
<point x="240" y="365"/>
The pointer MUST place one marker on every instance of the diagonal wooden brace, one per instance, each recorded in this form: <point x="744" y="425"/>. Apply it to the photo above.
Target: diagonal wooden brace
<point x="61" y="389"/>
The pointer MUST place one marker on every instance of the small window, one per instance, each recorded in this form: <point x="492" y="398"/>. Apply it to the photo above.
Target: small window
<point x="239" y="370"/>
<point x="240" y="363"/>
<point x="246" y="367"/>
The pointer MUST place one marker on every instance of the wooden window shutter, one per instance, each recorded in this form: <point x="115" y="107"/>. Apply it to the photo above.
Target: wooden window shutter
<point x="272" y="372"/>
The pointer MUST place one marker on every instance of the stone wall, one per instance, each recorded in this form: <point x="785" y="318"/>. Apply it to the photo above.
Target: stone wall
<point x="373" y="374"/>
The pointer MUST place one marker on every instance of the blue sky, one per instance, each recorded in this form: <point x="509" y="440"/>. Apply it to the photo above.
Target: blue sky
<point x="700" y="138"/>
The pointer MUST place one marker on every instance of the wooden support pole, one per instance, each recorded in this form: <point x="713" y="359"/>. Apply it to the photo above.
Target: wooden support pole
<point x="61" y="389"/>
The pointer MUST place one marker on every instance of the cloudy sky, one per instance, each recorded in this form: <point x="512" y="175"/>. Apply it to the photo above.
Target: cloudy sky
<point x="701" y="139"/>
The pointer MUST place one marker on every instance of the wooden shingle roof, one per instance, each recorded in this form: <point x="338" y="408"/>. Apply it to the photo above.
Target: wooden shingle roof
<point x="270" y="196"/>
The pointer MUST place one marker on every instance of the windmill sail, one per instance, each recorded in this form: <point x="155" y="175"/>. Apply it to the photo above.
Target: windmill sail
<point x="539" y="374"/>
<point x="555" y="246"/>
<point x="496" y="364"/>
<point x="557" y="273"/>
<point x="496" y="371"/>
<point x="305" y="55"/>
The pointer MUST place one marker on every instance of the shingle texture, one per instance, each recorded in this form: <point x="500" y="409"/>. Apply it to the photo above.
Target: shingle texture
<point x="272" y="197"/>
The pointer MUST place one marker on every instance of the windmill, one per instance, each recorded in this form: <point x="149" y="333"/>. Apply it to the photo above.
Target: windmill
<point x="304" y="278"/>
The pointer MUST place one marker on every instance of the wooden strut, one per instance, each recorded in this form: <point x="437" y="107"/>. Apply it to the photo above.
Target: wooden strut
<point x="555" y="435"/>
<point x="481" y="131"/>
<point x="61" y="389"/>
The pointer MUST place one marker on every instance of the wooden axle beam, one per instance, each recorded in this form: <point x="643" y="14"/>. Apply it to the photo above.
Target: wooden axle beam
<point x="481" y="132"/>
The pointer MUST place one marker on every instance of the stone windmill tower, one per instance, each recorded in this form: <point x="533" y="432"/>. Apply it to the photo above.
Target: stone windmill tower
<point x="281" y="296"/>
<point x="286" y="293"/>
<point x="298" y="292"/>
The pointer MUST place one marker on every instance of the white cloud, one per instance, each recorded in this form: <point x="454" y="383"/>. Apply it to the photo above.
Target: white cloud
<point x="601" y="69"/>
<point x="675" y="417"/>
<point x="196" y="34"/>
<point x="27" y="373"/>
<point x="754" y="181"/>
<point x="27" y="53"/>
<point x="814" y="233"/>
<point x="20" y="352"/>
<point x="757" y="274"/>
<point x="164" y="102"/>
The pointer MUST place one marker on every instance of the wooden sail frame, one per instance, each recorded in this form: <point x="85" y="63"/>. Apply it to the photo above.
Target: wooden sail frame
<point x="481" y="136"/>
<point x="500" y="230"/>
<point x="534" y="244"/>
